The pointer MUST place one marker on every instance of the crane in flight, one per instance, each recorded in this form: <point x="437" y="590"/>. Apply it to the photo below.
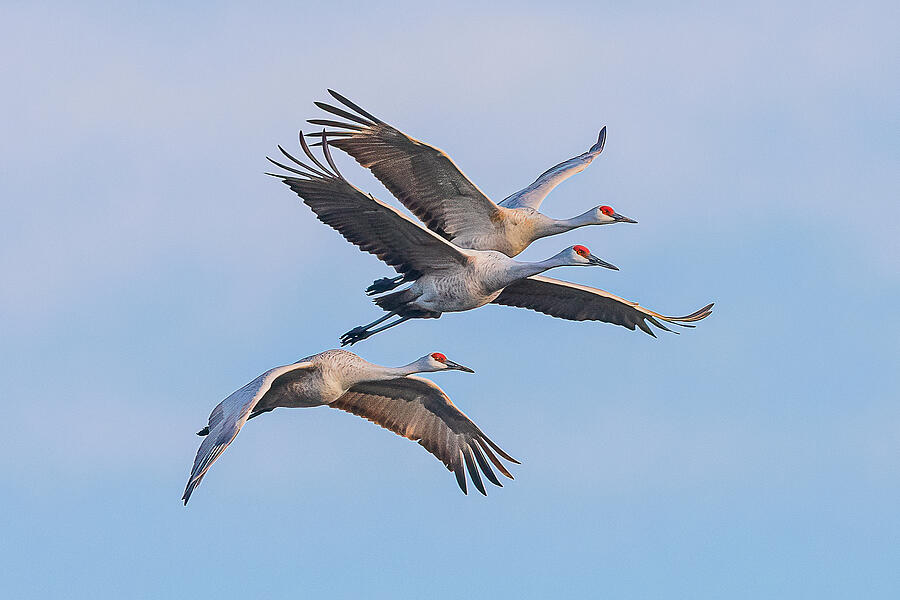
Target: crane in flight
<point x="429" y="184"/>
<point x="391" y="397"/>
<point x="445" y="277"/>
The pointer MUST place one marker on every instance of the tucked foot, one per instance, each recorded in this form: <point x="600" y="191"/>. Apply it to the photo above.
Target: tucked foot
<point x="385" y="284"/>
<point x="354" y="335"/>
<point x="204" y="431"/>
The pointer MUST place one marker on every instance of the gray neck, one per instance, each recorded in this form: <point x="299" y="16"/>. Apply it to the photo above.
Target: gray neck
<point x="371" y="372"/>
<point x="521" y="270"/>
<point x="555" y="226"/>
<point x="394" y="372"/>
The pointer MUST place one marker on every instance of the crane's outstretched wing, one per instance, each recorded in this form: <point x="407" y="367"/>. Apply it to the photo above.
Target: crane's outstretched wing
<point x="534" y="194"/>
<point x="419" y="410"/>
<point x="582" y="303"/>
<point x="422" y="177"/>
<point x="226" y="419"/>
<point x="366" y="222"/>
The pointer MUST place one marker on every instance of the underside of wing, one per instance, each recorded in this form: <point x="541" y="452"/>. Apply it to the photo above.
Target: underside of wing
<point x="533" y="195"/>
<point x="421" y="176"/>
<point x="364" y="221"/>
<point x="419" y="410"/>
<point x="582" y="303"/>
<point x="227" y="418"/>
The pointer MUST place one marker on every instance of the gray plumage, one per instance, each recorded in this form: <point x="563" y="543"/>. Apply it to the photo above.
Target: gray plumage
<point x="429" y="184"/>
<point x="445" y="277"/>
<point x="393" y="398"/>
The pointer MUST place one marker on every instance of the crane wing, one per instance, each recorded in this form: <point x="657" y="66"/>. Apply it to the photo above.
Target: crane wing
<point x="419" y="410"/>
<point x="582" y="303"/>
<point x="227" y="418"/>
<point x="421" y="176"/>
<point x="534" y="194"/>
<point x="371" y="225"/>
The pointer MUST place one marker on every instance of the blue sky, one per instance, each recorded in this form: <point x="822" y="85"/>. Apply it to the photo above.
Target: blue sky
<point x="150" y="268"/>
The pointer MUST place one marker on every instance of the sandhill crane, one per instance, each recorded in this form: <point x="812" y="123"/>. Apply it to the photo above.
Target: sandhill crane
<point x="447" y="278"/>
<point x="391" y="397"/>
<point x="429" y="184"/>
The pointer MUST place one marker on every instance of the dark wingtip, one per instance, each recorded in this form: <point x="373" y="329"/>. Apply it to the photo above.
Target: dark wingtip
<point x="698" y="315"/>
<point x="204" y="431"/>
<point x="656" y="322"/>
<point x="601" y="141"/>
<point x="352" y="105"/>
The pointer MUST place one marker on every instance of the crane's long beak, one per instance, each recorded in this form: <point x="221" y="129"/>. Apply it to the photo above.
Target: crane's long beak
<point x="601" y="263"/>
<point x="452" y="365"/>
<point x="622" y="218"/>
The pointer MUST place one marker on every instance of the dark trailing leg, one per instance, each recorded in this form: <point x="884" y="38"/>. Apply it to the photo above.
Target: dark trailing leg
<point x="358" y="334"/>
<point x="385" y="284"/>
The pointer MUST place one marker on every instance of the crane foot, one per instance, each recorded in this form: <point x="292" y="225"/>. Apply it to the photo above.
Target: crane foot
<point x="354" y="335"/>
<point x="385" y="284"/>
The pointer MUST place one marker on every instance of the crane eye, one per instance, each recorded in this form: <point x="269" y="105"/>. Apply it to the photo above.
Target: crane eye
<point x="581" y="251"/>
<point x="439" y="357"/>
<point x="607" y="210"/>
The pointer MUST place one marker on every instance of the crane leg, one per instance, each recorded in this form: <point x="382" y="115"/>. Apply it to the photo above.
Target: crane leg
<point x="385" y="284"/>
<point x="388" y="326"/>
<point x="360" y="333"/>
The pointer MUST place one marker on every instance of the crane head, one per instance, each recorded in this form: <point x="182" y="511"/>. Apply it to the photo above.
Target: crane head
<point x="580" y="255"/>
<point x="439" y="362"/>
<point x="606" y="214"/>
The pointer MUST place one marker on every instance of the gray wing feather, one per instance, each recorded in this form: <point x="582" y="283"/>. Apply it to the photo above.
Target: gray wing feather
<point x="420" y="176"/>
<point x="419" y="410"/>
<point x="364" y="221"/>
<point x="533" y="195"/>
<point x="227" y="418"/>
<point x="582" y="303"/>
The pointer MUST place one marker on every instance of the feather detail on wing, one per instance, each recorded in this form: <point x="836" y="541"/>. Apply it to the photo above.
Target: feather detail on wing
<point x="582" y="303"/>
<point x="364" y="221"/>
<point x="227" y="418"/>
<point x="534" y="194"/>
<point x="419" y="410"/>
<point x="422" y="177"/>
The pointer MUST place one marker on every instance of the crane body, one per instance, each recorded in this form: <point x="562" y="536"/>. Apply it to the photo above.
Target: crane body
<point x="447" y="278"/>
<point x="429" y="184"/>
<point x="391" y="397"/>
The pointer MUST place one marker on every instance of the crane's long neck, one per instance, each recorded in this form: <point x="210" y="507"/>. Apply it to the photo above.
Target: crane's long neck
<point x="554" y="226"/>
<point x="379" y="373"/>
<point x="520" y="270"/>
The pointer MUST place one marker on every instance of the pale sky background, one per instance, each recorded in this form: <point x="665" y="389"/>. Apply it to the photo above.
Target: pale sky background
<point x="149" y="268"/>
